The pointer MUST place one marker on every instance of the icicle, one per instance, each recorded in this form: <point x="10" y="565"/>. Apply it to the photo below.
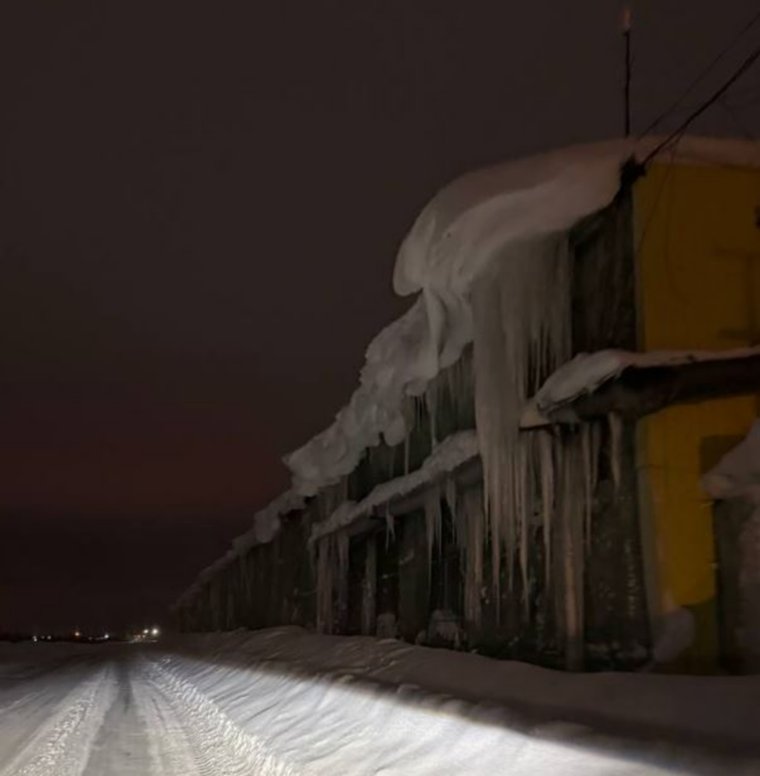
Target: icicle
<point x="433" y="518"/>
<point x="324" y="585"/>
<point x="590" y="445"/>
<point x="521" y="326"/>
<point x="546" y="471"/>
<point x="450" y="493"/>
<point x="470" y="522"/>
<point x="390" y="525"/>
<point x="431" y="403"/>
<point x="616" y="446"/>
<point x="342" y="542"/>
<point x="572" y="556"/>
<point x="369" y="589"/>
<point x="525" y="504"/>
<point x="595" y="446"/>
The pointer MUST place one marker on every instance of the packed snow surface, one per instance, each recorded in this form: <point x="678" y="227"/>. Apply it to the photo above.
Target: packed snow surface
<point x="286" y="702"/>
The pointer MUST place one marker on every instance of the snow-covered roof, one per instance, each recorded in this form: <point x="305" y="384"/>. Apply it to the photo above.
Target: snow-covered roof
<point x="587" y="372"/>
<point x="469" y="224"/>
<point x="466" y="226"/>
<point x="266" y="522"/>
<point x="447" y="456"/>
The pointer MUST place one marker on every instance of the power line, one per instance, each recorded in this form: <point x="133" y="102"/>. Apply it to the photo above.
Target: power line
<point x="738" y="73"/>
<point x="703" y="73"/>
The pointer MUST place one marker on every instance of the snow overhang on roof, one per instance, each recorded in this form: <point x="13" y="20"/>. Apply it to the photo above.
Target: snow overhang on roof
<point x="450" y="454"/>
<point x="472" y="222"/>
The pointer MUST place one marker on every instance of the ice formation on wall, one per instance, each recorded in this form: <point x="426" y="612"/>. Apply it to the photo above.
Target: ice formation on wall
<point x="329" y="538"/>
<point x="474" y="222"/>
<point x="369" y="589"/>
<point x="466" y="227"/>
<point x="522" y="333"/>
<point x="470" y="535"/>
<point x="332" y="579"/>
<point x="433" y="521"/>
<point x="451" y="453"/>
<point x="486" y="222"/>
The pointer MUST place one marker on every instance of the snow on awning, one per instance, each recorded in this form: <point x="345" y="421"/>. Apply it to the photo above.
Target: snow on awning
<point x="588" y="373"/>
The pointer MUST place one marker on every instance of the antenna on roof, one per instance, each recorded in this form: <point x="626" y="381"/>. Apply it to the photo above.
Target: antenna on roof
<point x="627" y="84"/>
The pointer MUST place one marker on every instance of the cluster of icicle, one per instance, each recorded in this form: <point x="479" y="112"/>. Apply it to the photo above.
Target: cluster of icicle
<point x="521" y="310"/>
<point x="466" y="509"/>
<point x="448" y="455"/>
<point x="543" y="478"/>
<point x="522" y="329"/>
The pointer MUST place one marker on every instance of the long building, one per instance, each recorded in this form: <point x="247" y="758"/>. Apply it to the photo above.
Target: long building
<point x="534" y="464"/>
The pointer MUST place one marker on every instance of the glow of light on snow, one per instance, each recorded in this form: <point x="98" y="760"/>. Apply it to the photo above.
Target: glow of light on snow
<point x="286" y="702"/>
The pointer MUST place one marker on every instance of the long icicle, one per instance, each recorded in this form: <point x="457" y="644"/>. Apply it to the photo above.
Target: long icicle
<point x="521" y="324"/>
<point x="546" y="455"/>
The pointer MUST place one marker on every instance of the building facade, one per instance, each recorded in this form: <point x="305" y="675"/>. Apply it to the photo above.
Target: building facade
<point x="520" y="471"/>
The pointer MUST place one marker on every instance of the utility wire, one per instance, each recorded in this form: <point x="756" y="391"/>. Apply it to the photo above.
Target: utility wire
<point x="683" y="126"/>
<point x="703" y="73"/>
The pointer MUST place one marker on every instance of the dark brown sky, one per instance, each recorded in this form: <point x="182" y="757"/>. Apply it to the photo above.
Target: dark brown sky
<point x="199" y="209"/>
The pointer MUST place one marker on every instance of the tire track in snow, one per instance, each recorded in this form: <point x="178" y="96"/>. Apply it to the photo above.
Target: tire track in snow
<point x="61" y="745"/>
<point x="169" y="746"/>
<point x="219" y="746"/>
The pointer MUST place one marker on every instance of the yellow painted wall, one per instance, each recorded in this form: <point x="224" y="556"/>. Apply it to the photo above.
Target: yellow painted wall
<point x="698" y="264"/>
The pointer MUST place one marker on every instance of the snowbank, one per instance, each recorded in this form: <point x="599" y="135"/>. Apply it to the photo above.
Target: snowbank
<point x="361" y="705"/>
<point x="286" y="702"/>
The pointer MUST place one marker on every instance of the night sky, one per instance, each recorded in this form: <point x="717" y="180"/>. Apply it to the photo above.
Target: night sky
<point x="200" y="205"/>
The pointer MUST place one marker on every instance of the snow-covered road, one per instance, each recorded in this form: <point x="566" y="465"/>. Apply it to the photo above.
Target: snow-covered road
<point x="286" y="702"/>
<point x="116" y="712"/>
